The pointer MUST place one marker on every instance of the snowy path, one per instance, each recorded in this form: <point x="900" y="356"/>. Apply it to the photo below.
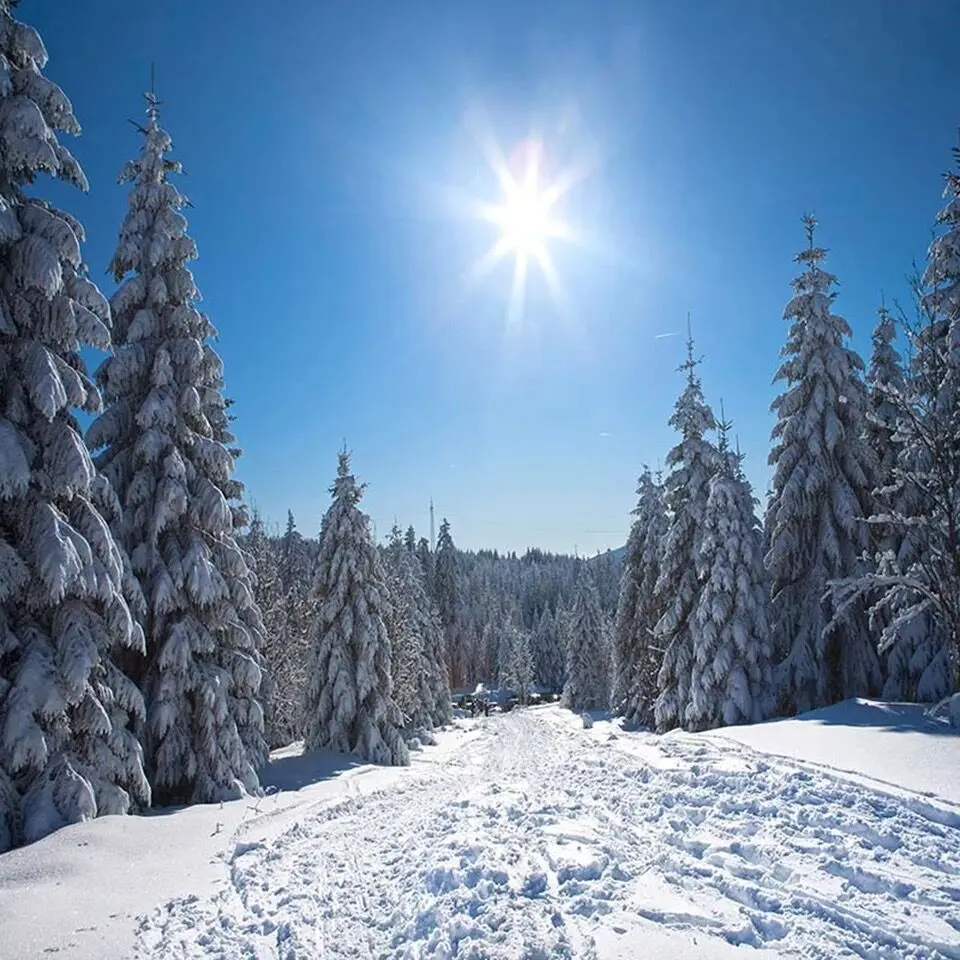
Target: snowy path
<point x="541" y="840"/>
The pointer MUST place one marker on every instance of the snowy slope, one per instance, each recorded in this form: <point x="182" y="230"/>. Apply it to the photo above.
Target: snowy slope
<point x="521" y="836"/>
<point x="894" y="743"/>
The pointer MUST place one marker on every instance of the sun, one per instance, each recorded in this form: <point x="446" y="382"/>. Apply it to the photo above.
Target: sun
<point x="526" y="218"/>
<point x="525" y="214"/>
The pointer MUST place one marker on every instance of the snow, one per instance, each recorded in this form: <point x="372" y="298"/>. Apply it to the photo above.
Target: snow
<point x="894" y="743"/>
<point x="526" y="835"/>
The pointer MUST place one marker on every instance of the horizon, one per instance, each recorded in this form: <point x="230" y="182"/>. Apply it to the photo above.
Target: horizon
<point x="333" y="195"/>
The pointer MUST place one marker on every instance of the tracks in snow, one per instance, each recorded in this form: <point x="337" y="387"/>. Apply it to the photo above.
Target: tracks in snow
<point x="542" y="841"/>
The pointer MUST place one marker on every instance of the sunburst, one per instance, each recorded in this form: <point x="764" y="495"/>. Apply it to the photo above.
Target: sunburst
<point x="527" y="218"/>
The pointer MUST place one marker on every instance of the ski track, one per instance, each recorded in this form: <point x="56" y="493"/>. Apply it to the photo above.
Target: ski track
<point x="532" y="838"/>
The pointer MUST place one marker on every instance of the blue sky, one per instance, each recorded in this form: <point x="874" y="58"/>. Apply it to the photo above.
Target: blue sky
<point x="325" y="143"/>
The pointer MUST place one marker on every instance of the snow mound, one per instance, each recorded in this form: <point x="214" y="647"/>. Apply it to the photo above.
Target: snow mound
<point x="900" y="744"/>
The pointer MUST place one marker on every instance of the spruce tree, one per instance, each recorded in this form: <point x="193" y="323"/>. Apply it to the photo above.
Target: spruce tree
<point x="283" y="654"/>
<point x="691" y="463"/>
<point x="823" y="479"/>
<point x="162" y="441"/>
<point x="447" y="593"/>
<point x="902" y="653"/>
<point x="731" y="677"/>
<point x="588" y="651"/>
<point x="548" y="654"/>
<point x="67" y="752"/>
<point x="885" y="378"/>
<point x="919" y="586"/>
<point x="349" y="704"/>
<point x="419" y="673"/>
<point x="636" y="662"/>
<point x="516" y="671"/>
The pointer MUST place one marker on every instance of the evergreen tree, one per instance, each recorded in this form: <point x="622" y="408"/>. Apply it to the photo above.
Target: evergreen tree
<point x="447" y="594"/>
<point x="294" y="561"/>
<point x="691" y="462"/>
<point x="419" y="673"/>
<point x="884" y="378"/>
<point x="823" y="477"/>
<point x="161" y="439"/>
<point x="731" y="675"/>
<point x="66" y="749"/>
<point x="548" y="654"/>
<point x="919" y="585"/>
<point x="516" y="672"/>
<point x="283" y="652"/>
<point x="349" y="703"/>
<point x="588" y="652"/>
<point x="636" y="663"/>
<point x="425" y="556"/>
<point x="903" y="653"/>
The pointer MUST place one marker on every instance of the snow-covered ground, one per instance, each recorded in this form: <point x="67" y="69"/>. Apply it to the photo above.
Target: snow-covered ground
<point x="527" y="836"/>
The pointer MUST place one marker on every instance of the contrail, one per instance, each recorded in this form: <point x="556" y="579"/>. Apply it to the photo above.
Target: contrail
<point x="663" y="336"/>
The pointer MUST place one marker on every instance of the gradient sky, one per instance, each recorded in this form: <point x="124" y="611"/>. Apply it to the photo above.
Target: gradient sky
<point x="326" y="146"/>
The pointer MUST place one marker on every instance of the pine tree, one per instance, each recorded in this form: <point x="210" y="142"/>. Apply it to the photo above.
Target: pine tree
<point x="67" y="752"/>
<point x="903" y="671"/>
<point x="281" y="691"/>
<point x="516" y="671"/>
<point x="691" y="462"/>
<point x="636" y="663"/>
<point x="884" y="377"/>
<point x="588" y="652"/>
<point x="419" y="674"/>
<point x="425" y="556"/>
<point x="731" y="676"/>
<point x="823" y="478"/>
<point x="162" y="441"/>
<point x="447" y="594"/>
<point x="919" y="586"/>
<point x="548" y="654"/>
<point x="349" y="703"/>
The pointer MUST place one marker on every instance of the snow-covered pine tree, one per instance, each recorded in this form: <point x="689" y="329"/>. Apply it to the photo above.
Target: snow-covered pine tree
<point x="281" y="690"/>
<point x="548" y="654"/>
<point x="588" y="652"/>
<point x="886" y="382"/>
<point x="162" y="441"/>
<point x="419" y="677"/>
<point x="67" y="752"/>
<point x="823" y="480"/>
<point x="731" y="680"/>
<point x="447" y="593"/>
<point x="636" y="663"/>
<point x="885" y="377"/>
<point x="919" y="586"/>
<point x="425" y="556"/>
<point x="349" y="703"/>
<point x="516" y="670"/>
<point x="691" y="463"/>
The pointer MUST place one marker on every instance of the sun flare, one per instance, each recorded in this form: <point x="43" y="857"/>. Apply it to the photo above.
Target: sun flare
<point x="526" y="219"/>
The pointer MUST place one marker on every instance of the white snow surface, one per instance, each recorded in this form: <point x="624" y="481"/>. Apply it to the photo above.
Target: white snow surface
<point x="525" y="835"/>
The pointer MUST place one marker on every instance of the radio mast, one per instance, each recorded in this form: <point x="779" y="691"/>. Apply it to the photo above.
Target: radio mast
<point x="433" y="539"/>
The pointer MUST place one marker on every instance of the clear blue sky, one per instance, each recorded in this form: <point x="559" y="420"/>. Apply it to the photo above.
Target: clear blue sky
<point x="322" y="142"/>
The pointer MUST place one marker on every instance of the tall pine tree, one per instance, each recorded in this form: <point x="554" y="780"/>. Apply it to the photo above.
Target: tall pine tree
<point x="349" y="704"/>
<point x="824" y="475"/>
<point x="446" y="585"/>
<point x="731" y="676"/>
<point x="588" y="648"/>
<point x="161" y="442"/>
<point x="691" y="463"/>
<point x="548" y="654"/>
<point x="66" y="749"/>
<point x="636" y="662"/>
<point x="919" y="586"/>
